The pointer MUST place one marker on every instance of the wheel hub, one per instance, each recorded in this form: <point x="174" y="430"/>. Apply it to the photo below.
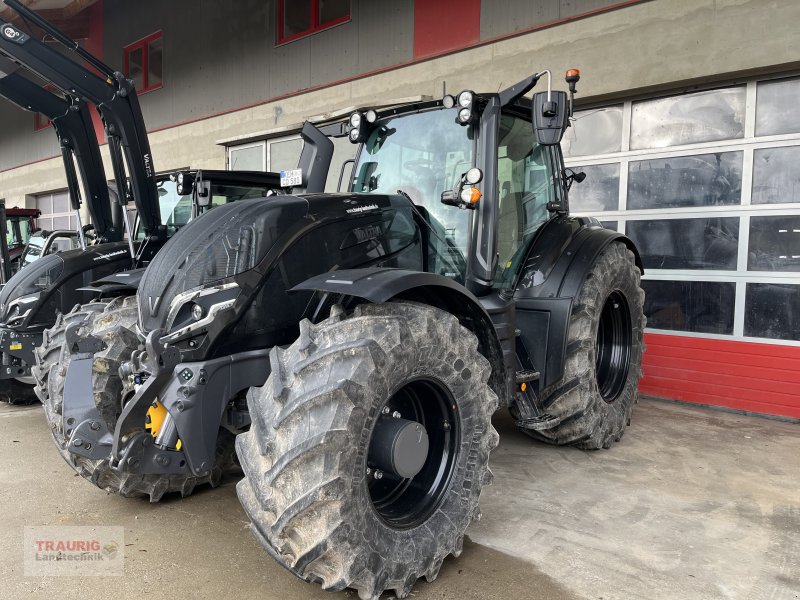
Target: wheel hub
<point x="412" y="452"/>
<point x="613" y="346"/>
<point x="399" y="446"/>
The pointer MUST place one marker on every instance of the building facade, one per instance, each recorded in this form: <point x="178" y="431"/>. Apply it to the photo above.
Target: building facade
<point x="687" y="130"/>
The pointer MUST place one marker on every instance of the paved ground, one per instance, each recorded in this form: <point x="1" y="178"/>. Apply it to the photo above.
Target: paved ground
<point x="693" y="503"/>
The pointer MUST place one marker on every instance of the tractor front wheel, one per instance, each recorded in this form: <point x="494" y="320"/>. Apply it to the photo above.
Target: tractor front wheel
<point x="368" y="448"/>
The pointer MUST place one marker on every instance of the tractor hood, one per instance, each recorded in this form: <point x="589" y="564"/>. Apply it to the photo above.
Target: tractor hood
<point x="34" y="295"/>
<point x="202" y="262"/>
<point x="221" y="243"/>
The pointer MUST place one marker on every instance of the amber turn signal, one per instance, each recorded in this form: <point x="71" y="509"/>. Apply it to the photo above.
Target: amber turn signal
<point x="470" y="195"/>
<point x="574" y="73"/>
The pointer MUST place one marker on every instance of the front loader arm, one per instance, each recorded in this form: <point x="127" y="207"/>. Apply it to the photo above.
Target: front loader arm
<point x="115" y="98"/>
<point x="75" y="131"/>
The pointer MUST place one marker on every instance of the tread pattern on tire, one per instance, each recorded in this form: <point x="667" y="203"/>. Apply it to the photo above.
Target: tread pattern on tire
<point x="586" y="420"/>
<point x="303" y="455"/>
<point x="114" y="324"/>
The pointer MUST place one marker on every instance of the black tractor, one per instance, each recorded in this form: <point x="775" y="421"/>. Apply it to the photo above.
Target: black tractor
<point x="356" y="345"/>
<point x="49" y="291"/>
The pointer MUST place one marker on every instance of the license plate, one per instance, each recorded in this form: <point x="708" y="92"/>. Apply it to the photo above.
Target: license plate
<point x="291" y="178"/>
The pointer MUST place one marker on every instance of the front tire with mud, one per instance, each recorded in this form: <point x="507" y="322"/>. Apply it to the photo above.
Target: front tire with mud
<point x="317" y="500"/>
<point x="115" y="325"/>
<point x="593" y="401"/>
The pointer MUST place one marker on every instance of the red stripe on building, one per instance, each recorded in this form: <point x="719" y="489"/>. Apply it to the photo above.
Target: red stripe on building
<point x="754" y="377"/>
<point x="444" y="25"/>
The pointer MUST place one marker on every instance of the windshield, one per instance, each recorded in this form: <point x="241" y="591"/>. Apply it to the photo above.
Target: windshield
<point x="33" y="250"/>
<point x="176" y="210"/>
<point x="422" y="155"/>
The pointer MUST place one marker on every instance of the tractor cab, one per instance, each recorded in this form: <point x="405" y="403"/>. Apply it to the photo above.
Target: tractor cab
<point x="479" y="170"/>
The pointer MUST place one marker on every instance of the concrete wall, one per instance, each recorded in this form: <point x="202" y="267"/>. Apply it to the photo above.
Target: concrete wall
<point x="507" y="16"/>
<point x="657" y="45"/>
<point x="220" y="55"/>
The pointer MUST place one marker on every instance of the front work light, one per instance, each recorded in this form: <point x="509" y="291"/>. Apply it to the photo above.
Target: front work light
<point x="465" y="99"/>
<point x="464" y="116"/>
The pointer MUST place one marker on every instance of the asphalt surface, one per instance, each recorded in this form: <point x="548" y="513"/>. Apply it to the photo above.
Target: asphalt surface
<point x="693" y="503"/>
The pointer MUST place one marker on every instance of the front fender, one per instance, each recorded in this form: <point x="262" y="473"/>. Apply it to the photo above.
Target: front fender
<point x="377" y="285"/>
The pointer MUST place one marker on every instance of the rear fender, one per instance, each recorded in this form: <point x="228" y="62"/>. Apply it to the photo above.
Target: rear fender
<point x="557" y="264"/>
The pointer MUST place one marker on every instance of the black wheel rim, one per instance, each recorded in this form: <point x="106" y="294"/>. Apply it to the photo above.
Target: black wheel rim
<point x="405" y="503"/>
<point x="613" y="346"/>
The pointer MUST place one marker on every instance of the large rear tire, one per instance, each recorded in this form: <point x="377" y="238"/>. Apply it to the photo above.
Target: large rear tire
<point x="115" y="327"/>
<point x="317" y="500"/>
<point x="593" y="401"/>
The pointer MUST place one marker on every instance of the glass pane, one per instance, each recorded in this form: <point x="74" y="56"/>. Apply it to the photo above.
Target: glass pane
<point x="774" y="244"/>
<point x="283" y="155"/>
<point x="330" y="10"/>
<point x="61" y="203"/>
<point x="703" y="180"/>
<point x="296" y="16"/>
<point x="343" y="150"/>
<point x="24" y="230"/>
<point x="136" y="66"/>
<point x="710" y="243"/>
<point x="155" y="58"/>
<point x="61" y="223"/>
<point x="613" y="225"/>
<point x="45" y="223"/>
<point x="776" y="107"/>
<point x="597" y="131"/>
<point x="698" y="306"/>
<point x="776" y="178"/>
<point x="247" y="159"/>
<point x="772" y="310"/>
<point x="688" y="119"/>
<point x="598" y="192"/>
<point x="525" y="180"/>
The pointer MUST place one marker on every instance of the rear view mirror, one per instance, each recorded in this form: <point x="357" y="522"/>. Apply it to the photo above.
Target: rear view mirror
<point x="550" y="117"/>
<point x="202" y="190"/>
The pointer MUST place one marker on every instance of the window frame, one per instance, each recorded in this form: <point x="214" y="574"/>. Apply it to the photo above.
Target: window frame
<point x="144" y="44"/>
<point x="748" y="144"/>
<point x="315" y="27"/>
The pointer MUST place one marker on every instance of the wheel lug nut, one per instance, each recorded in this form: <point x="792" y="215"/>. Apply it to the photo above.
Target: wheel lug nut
<point x="369" y="471"/>
<point x="396" y="414"/>
<point x="378" y="474"/>
<point x="446" y="425"/>
<point x="385" y="410"/>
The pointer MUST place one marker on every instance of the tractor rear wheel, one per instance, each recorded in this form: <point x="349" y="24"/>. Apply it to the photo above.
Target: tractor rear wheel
<point x="115" y="326"/>
<point x="368" y="448"/>
<point x="593" y="401"/>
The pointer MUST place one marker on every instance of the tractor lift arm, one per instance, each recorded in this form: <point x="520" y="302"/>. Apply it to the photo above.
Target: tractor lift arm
<point x="115" y="98"/>
<point x="75" y="131"/>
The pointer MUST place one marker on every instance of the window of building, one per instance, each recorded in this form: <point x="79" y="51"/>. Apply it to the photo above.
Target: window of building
<point x="706" y="185"/>
<point x="144" y="62"/>
<point x="56" y="212"/>
<point x="275" y="155"/>
<point x="299" y="18"/>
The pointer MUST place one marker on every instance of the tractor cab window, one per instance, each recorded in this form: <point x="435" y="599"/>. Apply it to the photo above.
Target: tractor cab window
<point x="526" y="185"/>
<point x="176" y="210"/>
<point x="33" y="251"/>
<point x="422" y="155"/>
